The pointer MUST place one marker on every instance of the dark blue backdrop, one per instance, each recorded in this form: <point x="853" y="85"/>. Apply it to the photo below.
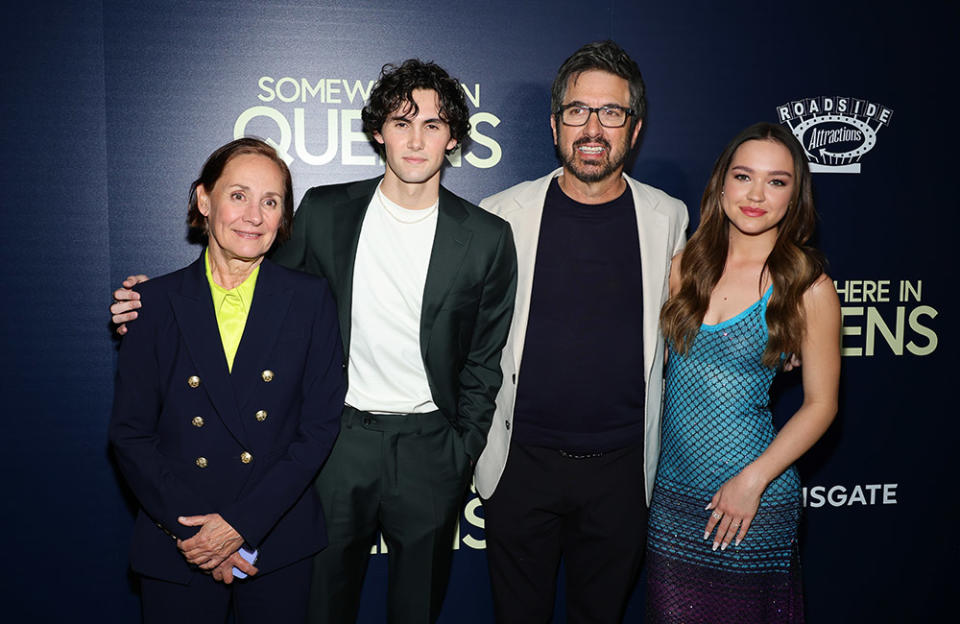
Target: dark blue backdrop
<point x="109" y="108"/>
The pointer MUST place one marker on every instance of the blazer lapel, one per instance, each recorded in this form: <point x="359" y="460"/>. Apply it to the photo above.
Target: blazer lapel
<point x="450" y="244"/>
<point x="525" y="217"/>
<point x="267" y="313"/>
<point x="193" y="309"/>
<point x="347" y="221"/>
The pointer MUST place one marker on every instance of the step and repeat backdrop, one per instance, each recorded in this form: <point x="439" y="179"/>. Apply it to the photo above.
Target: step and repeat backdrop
<point x="109" y="109"/>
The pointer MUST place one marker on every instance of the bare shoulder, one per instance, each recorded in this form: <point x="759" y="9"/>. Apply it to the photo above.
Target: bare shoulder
<point x="822" y="291"/>
<point x="820" y="301"/>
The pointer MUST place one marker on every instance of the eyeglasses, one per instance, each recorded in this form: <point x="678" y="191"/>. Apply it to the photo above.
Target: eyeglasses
<point x="609" y="116"/>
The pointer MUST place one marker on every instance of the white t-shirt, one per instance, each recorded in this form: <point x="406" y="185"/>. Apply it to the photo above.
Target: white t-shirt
<point x="385" y="370"/>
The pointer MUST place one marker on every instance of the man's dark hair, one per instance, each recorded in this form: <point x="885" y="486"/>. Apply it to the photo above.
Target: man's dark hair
<point x="604" y="56"/>
<point x="394" y="91"/>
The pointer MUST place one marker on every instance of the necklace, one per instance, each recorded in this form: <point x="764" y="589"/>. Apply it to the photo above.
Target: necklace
<point x="392" y="209"/>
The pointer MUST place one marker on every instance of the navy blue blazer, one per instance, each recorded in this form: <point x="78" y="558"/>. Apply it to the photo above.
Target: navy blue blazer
<point x="192" y="438"/>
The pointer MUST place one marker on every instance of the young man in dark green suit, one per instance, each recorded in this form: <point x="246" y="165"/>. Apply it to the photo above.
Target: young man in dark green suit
<point x="424" y="283"/>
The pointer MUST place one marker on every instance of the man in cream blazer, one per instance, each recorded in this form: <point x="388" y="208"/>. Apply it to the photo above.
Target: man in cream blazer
<point x="661" y="237"/>
<point x="571" y="476"/>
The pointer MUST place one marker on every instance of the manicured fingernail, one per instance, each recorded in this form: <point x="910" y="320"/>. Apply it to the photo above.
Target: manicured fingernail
<point x="706" y="534"/>
<point x="723" y="546"/>
<point x="736" y="542"/>
<point x="715" y="544"/>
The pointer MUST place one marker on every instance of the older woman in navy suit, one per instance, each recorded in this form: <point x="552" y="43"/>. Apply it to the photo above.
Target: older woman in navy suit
<point x="228" y="400"/>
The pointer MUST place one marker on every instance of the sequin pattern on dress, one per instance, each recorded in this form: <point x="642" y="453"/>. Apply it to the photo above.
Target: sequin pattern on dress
<point x="716" y="421"/>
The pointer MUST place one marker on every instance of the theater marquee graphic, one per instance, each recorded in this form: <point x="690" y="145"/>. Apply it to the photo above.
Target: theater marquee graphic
<point x="836" y="132"/>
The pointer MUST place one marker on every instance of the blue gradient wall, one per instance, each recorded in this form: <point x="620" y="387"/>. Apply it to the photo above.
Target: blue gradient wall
<point x="109" y="108"/>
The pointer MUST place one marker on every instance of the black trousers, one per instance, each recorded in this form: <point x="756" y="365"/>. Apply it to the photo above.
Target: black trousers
<point x="591" y="512"/>
<point x="280" y="596"/>
<point x="404" y="475"/>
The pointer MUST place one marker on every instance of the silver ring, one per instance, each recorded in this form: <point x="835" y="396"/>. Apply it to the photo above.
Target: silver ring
<point x="716" y="516"/>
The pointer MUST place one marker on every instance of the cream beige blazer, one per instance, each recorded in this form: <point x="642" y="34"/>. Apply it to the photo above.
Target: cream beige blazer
<point x="661" y="223"/>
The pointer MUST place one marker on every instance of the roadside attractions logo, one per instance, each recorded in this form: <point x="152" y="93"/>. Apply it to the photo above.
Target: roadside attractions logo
<point x="317" y="122"/>
<point x="836" y="132"/>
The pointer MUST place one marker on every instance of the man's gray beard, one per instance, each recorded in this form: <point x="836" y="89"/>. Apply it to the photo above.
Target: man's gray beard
<point x="594" y="174"/>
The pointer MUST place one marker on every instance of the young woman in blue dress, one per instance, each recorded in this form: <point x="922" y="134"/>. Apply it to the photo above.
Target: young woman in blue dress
<point x="745" y="292"/>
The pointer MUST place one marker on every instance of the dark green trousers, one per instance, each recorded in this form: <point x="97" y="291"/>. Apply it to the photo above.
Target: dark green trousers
<point x="404" y="475"/>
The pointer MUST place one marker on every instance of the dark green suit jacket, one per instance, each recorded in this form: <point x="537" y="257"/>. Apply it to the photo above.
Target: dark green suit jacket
<point x="467" y="301"/>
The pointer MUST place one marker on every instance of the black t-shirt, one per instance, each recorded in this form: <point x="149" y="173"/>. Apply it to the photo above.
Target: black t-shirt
<point x="581" y="381"/>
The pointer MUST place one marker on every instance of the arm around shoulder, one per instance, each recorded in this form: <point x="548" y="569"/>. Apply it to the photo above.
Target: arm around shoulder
<point x="126" y="302"/>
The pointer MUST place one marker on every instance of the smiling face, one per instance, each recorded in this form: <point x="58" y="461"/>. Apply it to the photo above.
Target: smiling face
<point x="414" y="144"/>
<point x="758" y="187"/>
<point x="592" y="153"/>
<point x="244" y="208"/>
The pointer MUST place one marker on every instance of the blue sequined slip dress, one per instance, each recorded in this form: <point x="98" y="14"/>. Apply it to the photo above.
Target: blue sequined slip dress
<point x="716" y="421"/>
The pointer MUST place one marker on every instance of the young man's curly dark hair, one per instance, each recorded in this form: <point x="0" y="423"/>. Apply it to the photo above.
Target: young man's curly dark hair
<point x="394" y="91"/>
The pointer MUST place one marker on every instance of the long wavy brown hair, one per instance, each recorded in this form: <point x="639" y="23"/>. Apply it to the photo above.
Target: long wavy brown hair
<point x="792" y="265"/>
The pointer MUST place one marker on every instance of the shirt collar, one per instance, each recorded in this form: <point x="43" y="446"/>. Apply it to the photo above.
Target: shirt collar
<point x="244" y="290"/>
